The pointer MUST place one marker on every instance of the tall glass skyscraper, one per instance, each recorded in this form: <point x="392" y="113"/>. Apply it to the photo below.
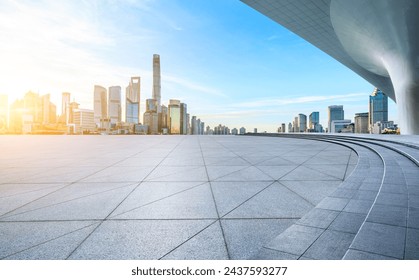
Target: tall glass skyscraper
<point x="314" y="121"/>
<point x="378" y="107"/>
<point x="302" y="123"/>
<point x="335" y="113"/>
<point x="174" y="116"/>
<point x="157" y="81"/>
<point x="100" y="105"/>
<point x="65" y="103"/>
<point x="114" y="104"/>
<point x="132" y="101"/>
<point x="183" y="119"/>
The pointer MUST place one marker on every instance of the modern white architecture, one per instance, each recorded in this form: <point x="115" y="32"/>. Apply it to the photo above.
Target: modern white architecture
<point x="376" y="39"/>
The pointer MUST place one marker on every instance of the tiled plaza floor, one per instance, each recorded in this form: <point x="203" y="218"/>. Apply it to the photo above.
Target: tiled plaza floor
<point x="158" y="197"/>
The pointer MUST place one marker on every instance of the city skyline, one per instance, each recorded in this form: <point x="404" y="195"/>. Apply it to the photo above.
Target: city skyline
<point x="235" y="67"/>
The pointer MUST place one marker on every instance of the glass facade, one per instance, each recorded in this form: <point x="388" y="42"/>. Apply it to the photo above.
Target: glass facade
<point x="174" y="119"/>
<point x="132" y="112"/>
<point x="378" y="107"/>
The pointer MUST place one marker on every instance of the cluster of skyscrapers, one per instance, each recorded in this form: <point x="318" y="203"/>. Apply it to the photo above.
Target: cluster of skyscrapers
<point x="36" y="114"/>
<point x="375" y="121"/>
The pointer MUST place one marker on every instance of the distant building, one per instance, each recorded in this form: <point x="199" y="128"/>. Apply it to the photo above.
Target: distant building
<point x="335" y="113"/>
<point x="338" y="125"/>
<point x="314" y="122"/>
<point x="290" y="127"/>
<point x="174" y="116"/>
<point x="283" y="127"/>
<point x="157" y="81"/>
<point x="151" y="117"/>
<point x="132" y="101"/>
<point x="65" y="103"/>
<point x="234" y="131"/>
<point x="378" y="107"/>
<point x="114" y="105"/>
<point x="302" y="123"/>
<point x="242" y="130"/>
<point x="163" y="115"/>
<point x="295" y="127"/>
<point x="83" y="120"/>
<point x="183" y="119"/>
<point x="361" y="123"/>
<point x="194" y="126"/>
<point x="255" y="130"/>
<point x="100" y="105"/>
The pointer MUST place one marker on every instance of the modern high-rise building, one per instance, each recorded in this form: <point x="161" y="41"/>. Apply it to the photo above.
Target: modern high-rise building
<point x="378" y="108"/>
<point x="335" y="113"/>
<point x="376" y="39"/>
<point x="100" y="105"/>
<point x="157" y="81"/>
<point x="163" y="118"/>
<point x="150" y="117"/>
<point x="338" y="126"/>
<point x="114" y="105"/>
<point x="361" y="123"/>
<point x="188" y="124"/>
<point x="183" y="119"/>
<point x="302" y="123"/>
<point x="174" y="116"/>
<point x="314" y="121"/>
<point x="65" y="103"/>
<point x="283" y="128"/>
<point x="242" y="130"/>
<point x="289" y="127"/>
<point x="295" y="127"/>
<point x="83" y="120"/>
<point x="194" y="126"/>
<point x="132" y="101"/>
<point x="4" y="113"/>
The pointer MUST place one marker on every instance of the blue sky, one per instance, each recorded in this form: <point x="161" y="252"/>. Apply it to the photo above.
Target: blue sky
<point x="229" y="63"/>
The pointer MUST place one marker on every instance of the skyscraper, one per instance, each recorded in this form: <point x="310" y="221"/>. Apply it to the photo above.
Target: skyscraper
<point x="183" y="119"/>
<point x="65" y="103"/>
<point x="378" y="108"/>
<point x="100" y="105"/>
<point x="151" y="117"/>
<point x="335" y="113"/>
<point x="361" y="122"/>
<point x="157" y="81"/>
<point x="174" y="116"/>
<point x="132" y="112"/>
<point x="194" y="126"/>
<point x="314" y="121"/>
<point x="114" y="104"/>
<point x="302" y="123"/>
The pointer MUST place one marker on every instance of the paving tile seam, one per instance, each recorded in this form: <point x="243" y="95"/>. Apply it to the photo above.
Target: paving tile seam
<point x="72" y="183"/>
<point x="65" y="201"/>
<point x="160" y="199"/>
<point x="191" y="237"/>
<point x="215" y="202"/>
<point x="301" y="164"/>
<point x="275" y="250"/>
<point x="354" y="148"/>
<point x="23" y="193"/>
<point x="49" y="240"/>
<point x="380" y="189"/>
<point x="101" y="222"/>
<point x="299" y="195"/>
<point x="248" y="199"/>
